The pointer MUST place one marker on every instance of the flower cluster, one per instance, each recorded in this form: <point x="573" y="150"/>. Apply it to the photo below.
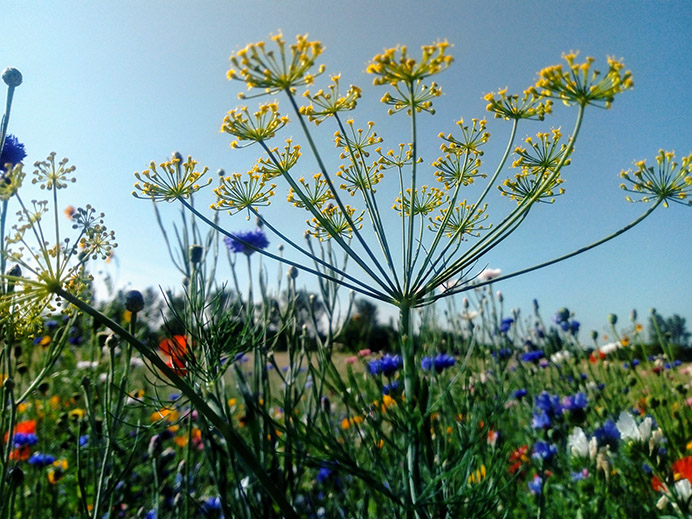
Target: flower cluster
<point x="387" y="365"/>
<point x="439" y="362"/>
<point x="582" y="84"/>
<point x="261" y="68"/>
<point x="262" y="126"/>
<point x="669" y="181"/>
<point x="173" y="180"/>
<point x="327" y="104"/>
<point x="508" y="106"/>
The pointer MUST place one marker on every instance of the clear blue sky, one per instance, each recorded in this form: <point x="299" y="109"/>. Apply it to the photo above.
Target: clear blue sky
<point x="113" y="86"/>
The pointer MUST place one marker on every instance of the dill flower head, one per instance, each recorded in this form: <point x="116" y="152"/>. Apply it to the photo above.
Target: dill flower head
<point x="237" y="192"/>
<point x="395" y="65"/>
<point x="582" y="84"/>
<point x="668" y="181"/>
<point x="509" y="106"/>
<point x="12" y="152"/>
<point x="326" y="104"/>
<point x="247" y="242"/>
<point x="262" y="126"/>
<point x="174" y="179"/>
<point x="276" y="71"/>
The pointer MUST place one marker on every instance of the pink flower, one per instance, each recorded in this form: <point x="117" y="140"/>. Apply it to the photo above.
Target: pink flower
<point x="351" y="360"/>
<point x="365" y="352"/>
<point x="489" y="274"/>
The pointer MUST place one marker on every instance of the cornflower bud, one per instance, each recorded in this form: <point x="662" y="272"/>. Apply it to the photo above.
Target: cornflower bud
<point x="12" y="77"/>
<point x="112" y="341"/>
<point x="195" y="253"/>
<point x="134" y="302"/>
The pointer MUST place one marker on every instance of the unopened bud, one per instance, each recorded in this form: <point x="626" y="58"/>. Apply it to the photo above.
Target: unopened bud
<point x="612" y="319"/>
<point x="112" y="341"/>
<point x="177" y="156"/>
<point x="292" y="272"/>
<point x="134" y="301"/>
<point x="196" y="253"/>
<point x="12" y="77"/>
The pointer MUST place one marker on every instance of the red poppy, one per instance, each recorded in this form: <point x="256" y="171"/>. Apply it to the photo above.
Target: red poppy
<point x="518" y="458"/>
<point x="176" y="349"/>
<point x="682" y="469"/>
<point x="657" y="485"/>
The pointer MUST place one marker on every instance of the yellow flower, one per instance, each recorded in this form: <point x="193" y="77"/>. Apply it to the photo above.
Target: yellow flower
<point x="669" y="181"/>
<point x="333" y="222"/>
<point x="478" y="475"/>
<point x="582" y="84"/>
<point x="531" y="106"/>
<point x="262" y="126"/>
<point x="394" y="65"/>
<point x="174" y="180"/>
<point x="262" y="68"/>
<point x="461" y="220"/>
<point x="236" y="193"/>
<point x="326" y="104"/>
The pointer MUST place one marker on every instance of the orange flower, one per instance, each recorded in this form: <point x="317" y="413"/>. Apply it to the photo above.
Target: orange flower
<point x="682" y="469"/>
<point x="176" y="349"/>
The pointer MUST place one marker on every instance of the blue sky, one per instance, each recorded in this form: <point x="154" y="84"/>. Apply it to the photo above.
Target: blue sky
<point x="113" y="86"/>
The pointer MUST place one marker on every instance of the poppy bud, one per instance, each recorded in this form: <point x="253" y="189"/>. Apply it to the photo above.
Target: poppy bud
<point x="12" y="77"/>
<point x="112" y="341"/>
<point x="15" y="474"/>
<point x="134" y="301"/>
<point x="612" y="319"/>
<point x="292" y="272"/>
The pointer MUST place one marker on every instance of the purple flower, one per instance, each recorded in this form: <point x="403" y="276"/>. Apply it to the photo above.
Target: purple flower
<point x="247" y="242"/>
<point x="12" y="152"/>
<point x="549" y="404"/>
<point x="439" y="362"/>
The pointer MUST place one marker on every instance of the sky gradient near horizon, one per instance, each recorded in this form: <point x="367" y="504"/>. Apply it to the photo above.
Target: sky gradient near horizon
<point x="114" y="88"/>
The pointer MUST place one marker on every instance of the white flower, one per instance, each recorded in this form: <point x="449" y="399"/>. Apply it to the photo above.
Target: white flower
<point x="683" y="489"/>
<point x="488" y="274"/>
<point x="577" y="443"/>
<point x="560" y="356"/>
<point x="610" y="347"/>
<point x="85" y="364"/>
<point x="629" y="430"/>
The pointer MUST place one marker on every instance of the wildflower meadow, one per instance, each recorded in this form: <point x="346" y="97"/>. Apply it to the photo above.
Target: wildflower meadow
<point x="251" y="396"/>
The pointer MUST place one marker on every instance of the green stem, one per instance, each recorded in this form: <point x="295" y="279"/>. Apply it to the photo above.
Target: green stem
<point x="232" y="438"/>
<point x="550" y="262"/>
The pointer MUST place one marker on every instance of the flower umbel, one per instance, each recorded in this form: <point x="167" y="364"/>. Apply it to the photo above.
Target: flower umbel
<point x="668" y="181"/>
<point x="582" y="84"/>
<point x="326" y="104"/>
<point x="262" y="126"/>
<point x="173" y="180"/>
<point x="237" y="193"/>
<point x="531" y="106"/>
<point x="262" y="68"/>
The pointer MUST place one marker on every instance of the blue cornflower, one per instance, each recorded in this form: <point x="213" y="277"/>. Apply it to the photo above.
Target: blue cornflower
<point x="387" y="365"/>
<point x="520" y="393"/>
<point x="389" y="389"/>
<point x="13" y="152"/>
<point x="635" y="363"/>
<point x="24" y="440"/>
<point x="578" y="476"/>
<point x="256" y="238"/>
<point x="83" y="440"/>
<point x="607" y="434"/>
<point x="211" y="507"/>
<point x="532" y="356"/>
<point x="575" y="402"/>
<point x="544" y="451"/>
<point x="574" y="327"/>
<point x="550" y="404"/>
<point x="536" y="485"/>
<point x="323" y="474"/>
<point x="439" y="362"/>
<point x="41" y="460"/>
<point x="505" y="325"/>
<point x="541" y="420"/>
<point x="502" y="353"/>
